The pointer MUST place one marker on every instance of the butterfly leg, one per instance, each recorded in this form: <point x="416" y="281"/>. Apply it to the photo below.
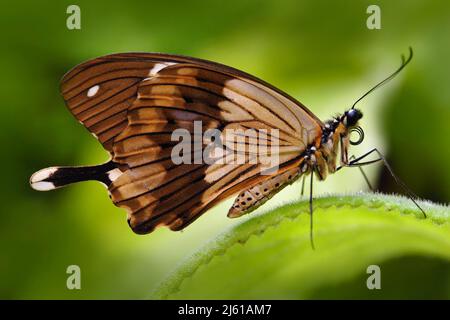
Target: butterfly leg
<point x="357" y="163"/>
<point x="363" y="174"/>
<point x="302" y="193"/>
<point x="311" y="237"/>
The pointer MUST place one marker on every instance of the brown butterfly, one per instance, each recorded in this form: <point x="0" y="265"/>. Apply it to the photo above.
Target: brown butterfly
<point x="133" y="102"/>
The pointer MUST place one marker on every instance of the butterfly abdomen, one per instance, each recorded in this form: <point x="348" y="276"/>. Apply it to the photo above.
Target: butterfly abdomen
<point x="56" y="177"/>
<point x="257" y="195"/>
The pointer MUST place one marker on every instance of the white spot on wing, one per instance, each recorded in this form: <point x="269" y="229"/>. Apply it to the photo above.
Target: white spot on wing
<point x="43" y="186"/>
<point x="93" y="91"/>
<point x="158" y="67"/>
<point x="42" y="175"/>
<point x="114" y="174"/>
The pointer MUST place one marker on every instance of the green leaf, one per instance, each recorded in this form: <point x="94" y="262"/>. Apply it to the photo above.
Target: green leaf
<point x="270" y="256"/>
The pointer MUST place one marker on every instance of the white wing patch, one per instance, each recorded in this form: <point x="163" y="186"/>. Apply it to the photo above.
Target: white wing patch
<point x="158" y="67"/>
<point x="114" y="174"/>
<point x="93" y="91"/>
<point x="37" y="180"/>
<point x="43" y="186"/>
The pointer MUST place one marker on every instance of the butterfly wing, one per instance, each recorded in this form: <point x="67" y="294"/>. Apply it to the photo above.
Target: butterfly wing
<point x="157" y="192"/>
<point x="133" y="102"/>
<point x="100" y="91"/>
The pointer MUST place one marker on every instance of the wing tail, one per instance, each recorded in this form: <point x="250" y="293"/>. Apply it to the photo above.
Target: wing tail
<point x="56" y="177"/>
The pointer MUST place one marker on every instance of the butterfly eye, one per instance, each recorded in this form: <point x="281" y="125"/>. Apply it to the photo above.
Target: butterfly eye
<point x="352" y="117"/>
<point x="360" y="133"/>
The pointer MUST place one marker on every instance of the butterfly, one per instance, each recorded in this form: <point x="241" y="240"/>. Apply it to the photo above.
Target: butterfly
<point x="134" y="102"/>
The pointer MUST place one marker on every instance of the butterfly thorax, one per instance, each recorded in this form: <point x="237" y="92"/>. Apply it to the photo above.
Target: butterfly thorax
<point x="335" y="137"/>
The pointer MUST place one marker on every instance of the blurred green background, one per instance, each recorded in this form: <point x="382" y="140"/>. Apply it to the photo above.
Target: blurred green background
<point x="321" y="52"/>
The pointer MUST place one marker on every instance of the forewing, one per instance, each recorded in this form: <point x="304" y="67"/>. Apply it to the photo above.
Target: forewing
<point x="100" y="91"/>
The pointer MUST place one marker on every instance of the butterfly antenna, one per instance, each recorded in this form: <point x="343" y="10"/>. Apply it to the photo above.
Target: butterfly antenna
<point x="390" y="77"/>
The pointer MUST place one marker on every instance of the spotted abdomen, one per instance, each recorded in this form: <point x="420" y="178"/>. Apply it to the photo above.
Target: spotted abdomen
<point x="257" y="195"/>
